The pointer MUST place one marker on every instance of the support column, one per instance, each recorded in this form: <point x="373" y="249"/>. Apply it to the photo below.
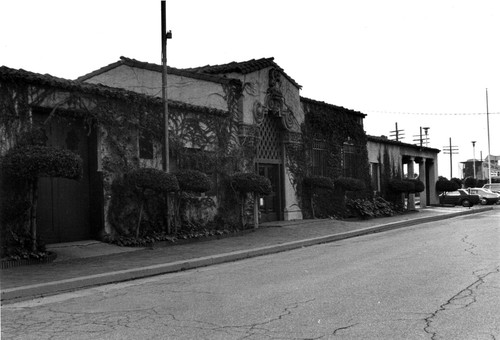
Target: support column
<point x="411" y="173"/>
<point x="433" y="176"/>
<point x="423" y="178"/>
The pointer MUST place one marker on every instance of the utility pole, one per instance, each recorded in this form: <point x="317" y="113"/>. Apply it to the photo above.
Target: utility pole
<point x="451" y="150"/>
<point x="420" y="138"/>
<point x="426" y="129"/>
<point x="164" y="36"/>
<point x="488" y="125"/>
<point x="474" y="157"/>
<point x="397" y="133"/>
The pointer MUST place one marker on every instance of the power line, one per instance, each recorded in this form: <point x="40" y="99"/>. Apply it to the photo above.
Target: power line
<point x="433" y="113"/>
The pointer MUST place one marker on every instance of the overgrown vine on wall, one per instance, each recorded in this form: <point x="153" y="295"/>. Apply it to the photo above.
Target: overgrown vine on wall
<point x="120" y="117"/>
<point x="334" y="126"/>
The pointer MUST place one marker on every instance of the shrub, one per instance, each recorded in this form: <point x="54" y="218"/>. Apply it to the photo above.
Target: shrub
<point x="33" y="161"/>
<point x="152" y="179"/>
<point x="144" y="179"/>
<point x="398" y="185"/>
<point x="314" y="186"/>
<point x="470" y="182"/>
<point x="193" y="181"/>
<point x="250" y="183"/>
<point x="366" y="208"/>
<point x="410" y="186"/>
<point x="458" y="181"/>
<point x="318" y="182"/>
<point x="419" y="186"/>
<point x="349" y="184"/>
<point x="247" y="182"/>
<point x="443" y="185"/>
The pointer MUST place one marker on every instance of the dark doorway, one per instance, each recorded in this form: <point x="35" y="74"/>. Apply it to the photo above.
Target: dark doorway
<point x="63" y="212"/>
<point x="270" y="206"/>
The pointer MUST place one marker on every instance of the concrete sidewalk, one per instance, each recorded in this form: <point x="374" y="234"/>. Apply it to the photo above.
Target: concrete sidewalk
<point x="85" y="264"/>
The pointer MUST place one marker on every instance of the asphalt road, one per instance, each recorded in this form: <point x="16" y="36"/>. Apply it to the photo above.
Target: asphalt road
<point x="438" y="280"/>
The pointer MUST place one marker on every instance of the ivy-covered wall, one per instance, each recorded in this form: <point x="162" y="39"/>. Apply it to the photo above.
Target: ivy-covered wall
<point x="201" y="138"/>
<point x="334" y="126"/>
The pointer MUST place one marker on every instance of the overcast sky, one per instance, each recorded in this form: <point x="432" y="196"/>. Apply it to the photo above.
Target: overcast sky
<point x="416" y="63"/>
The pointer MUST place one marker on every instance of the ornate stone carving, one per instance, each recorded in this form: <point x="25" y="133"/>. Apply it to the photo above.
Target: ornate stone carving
<point x="288" y="120"/>
<point x="274" y="98"/>
<point x="259" y="111"/>
<point x="274" y="104"/>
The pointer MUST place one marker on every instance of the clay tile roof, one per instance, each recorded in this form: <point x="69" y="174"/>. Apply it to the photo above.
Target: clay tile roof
<point x="331" y="106"/>
<point x="243" y="67"/>
<point x="9" y="75"/>
<point x="155" y="68"/>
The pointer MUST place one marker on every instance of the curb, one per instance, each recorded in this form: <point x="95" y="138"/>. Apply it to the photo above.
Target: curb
<point x="12" y="295"/>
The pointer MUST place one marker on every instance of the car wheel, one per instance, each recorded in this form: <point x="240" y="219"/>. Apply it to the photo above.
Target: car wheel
<point x="466" y="203"/>
<point x="484" y="201"/>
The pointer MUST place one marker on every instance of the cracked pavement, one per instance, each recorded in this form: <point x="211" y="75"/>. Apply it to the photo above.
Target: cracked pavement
<point x="438" y="280"/>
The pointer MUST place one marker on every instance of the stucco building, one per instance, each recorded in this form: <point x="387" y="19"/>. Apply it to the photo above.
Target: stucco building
<point x="240" y="116"/>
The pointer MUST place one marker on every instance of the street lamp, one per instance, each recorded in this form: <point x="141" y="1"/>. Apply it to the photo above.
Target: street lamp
<point x="474" y="157"/>
<point x="426" y="138"/>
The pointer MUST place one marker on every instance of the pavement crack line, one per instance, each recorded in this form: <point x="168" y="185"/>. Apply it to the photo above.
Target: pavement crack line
<point x="344" y="328"/>
<point x="471" y="245"/>
<point x="463" y="299"/>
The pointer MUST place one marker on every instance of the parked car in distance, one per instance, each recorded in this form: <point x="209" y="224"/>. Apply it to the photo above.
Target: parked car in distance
<point x="486" y="196"/>
<point x="495" y="187"/>
<point x="459" y="197"/>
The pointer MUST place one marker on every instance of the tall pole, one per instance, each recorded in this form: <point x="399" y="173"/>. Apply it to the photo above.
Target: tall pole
<point x="451" y="149"/>
<point x="451" y="161"/>
<point x="488" y="125"/>
<point x="426" y="129"/>
<point x="474" y="157"/>
<point x="164" y="36"/>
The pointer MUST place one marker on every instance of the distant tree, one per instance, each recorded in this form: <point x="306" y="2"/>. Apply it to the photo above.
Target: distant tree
<point x="445" y="185"/>
<point x="458" y="181"/>
<point x="470" y="182"/>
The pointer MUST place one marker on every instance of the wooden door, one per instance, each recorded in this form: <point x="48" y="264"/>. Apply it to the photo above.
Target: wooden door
<point x="63" y="204"/>
<point x="269" y="206"/>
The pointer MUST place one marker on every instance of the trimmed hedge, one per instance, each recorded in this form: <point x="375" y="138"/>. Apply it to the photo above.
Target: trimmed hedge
<point x="153" y="179"/>
<point x="193" y="181"/>
<point x="349" y="184"/>
<point x="319" y="182"/>
<point x="470" y="182"/>
<point x="443" y="184"/>
<point x="411" y="186"/>
<point x="248" y="182"/>
<point x="32" y="161"/>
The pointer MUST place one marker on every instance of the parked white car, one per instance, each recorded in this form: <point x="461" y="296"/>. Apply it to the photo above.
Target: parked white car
<point x="495" y="187"/>
<point x="486" y="196"/>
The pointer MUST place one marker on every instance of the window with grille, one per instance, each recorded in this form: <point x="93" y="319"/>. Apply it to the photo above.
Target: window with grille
<point x="269" y="148"/>
<point x="319" y="165"/>
<point x="349" y="160"/>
